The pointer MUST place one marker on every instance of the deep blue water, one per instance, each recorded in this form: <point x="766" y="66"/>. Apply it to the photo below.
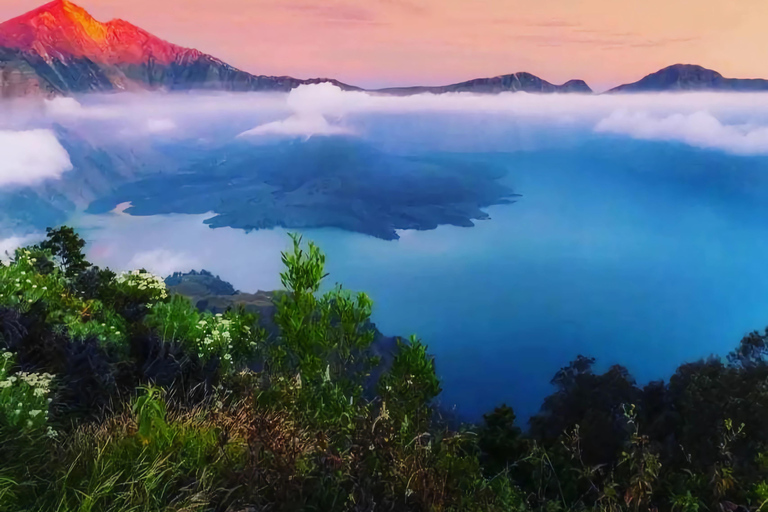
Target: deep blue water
<point x="639" y="253"/>
<point x="647" y="254"/>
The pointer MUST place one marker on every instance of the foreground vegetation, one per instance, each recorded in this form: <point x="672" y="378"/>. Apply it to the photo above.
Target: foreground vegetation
<point x="115" y="396"/>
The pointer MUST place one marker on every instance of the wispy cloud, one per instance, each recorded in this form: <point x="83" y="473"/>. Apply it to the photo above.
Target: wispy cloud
<point x="345" y="12"/>
<point x="527" y="22"/>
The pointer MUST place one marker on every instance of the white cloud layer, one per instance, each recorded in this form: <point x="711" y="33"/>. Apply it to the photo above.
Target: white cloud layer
<point x="327" y="99"/>
<point x="163" y="262"/>
<point x="693" y="119"/>
<point x="31" y="156"/>
<point x="733" y="122"/>
<point x="160" y="125"/>
<point x="700" y="129"/>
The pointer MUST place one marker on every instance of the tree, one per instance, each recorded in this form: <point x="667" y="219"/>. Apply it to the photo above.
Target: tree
<point x="67" y="246"/>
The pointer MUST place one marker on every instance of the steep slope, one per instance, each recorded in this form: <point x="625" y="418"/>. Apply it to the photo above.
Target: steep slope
<point x="515" y="82"/>
<point x="690" y="77"/>
<point x="60" y="48"/>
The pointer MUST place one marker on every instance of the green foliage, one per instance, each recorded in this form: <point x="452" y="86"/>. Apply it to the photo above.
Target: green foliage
<point x="686" y="502"/>
<point x="319" y="360"/>
<point x="98" y="322"/>
<point x="501" y="439"/>
<point x="308" y="418"/>
<point x="642" y="466"/>
<point x="411" y="384"/>
<point x="175" y="320"/>
<point x="233" y="338"/>
<point x="149" y="410"/>
<point x="22" y="285"/>
<point x="67" y="248"/>
<point x="319" y="336"/>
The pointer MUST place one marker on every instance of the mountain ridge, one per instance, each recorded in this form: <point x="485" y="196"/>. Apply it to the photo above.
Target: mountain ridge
<point x="514" y="82"/>
<point x="60" y="49"/>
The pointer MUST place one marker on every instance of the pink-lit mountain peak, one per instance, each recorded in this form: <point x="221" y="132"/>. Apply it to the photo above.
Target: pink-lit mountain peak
<point x="61" y="29"/>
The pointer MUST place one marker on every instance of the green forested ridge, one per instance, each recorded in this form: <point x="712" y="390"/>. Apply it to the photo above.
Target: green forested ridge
<point x="118" y="396"/>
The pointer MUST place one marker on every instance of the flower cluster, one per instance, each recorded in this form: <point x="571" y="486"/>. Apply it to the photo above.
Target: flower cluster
<point x="227" y="336"/>
<point x="21" y="284"/>
<point x="23" y="396"/>
<point x="144" y="283"/>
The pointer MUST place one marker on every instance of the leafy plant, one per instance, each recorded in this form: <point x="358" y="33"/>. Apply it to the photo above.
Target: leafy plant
<point x="149" y="410"/>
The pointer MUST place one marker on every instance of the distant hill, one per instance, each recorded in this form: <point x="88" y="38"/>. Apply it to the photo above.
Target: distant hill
<point x="515" y="82"/>
<point x="211" y="293"/>
<point x="197" y="284"/>
<point x="690" y="77"/>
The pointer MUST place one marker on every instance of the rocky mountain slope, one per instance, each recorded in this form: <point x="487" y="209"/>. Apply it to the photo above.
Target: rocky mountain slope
<point x="61" y="49"/>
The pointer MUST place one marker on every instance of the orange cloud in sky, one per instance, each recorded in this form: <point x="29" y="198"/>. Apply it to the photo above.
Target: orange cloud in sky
<point x="404" y="42"/>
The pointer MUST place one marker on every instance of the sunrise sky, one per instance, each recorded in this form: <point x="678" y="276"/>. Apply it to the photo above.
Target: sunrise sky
<point x="430" y="42"/>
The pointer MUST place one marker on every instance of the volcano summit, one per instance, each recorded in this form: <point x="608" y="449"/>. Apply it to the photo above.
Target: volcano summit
<point x="61" y="49"/>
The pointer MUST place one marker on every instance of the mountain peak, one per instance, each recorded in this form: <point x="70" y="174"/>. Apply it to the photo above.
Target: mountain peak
<point x="62" y="29"/>
<point x="687" y="70"/>
<point x="690" y="77"/>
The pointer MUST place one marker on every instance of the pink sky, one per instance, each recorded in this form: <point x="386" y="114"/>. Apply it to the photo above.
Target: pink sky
<point x="405" y="42"/>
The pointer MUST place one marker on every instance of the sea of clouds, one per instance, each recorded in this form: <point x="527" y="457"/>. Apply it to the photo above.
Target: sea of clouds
<point x="30" y="151"/>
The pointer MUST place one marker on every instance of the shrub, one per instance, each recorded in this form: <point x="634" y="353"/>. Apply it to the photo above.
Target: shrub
<point x="231" y="338"/>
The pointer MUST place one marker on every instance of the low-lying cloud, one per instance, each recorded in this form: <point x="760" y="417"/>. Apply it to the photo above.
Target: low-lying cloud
<point x="695" y="119"/>
<point x="700" y="129"/>
<point x="733" y="122"/>
<point x="31" y="156"/>
<point x="160" y="125"/>
<point x="163" y="262"/>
